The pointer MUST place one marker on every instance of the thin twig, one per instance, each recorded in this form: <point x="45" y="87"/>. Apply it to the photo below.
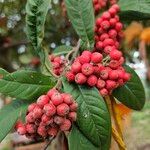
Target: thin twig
<point x="49" y="142"/>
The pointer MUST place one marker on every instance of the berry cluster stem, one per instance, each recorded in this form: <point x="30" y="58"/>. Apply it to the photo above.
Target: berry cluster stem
<point x="48" y="143"/>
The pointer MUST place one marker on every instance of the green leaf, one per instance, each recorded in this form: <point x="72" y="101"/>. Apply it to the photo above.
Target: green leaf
<point x="9" y="115"/>
<point x="93" y="116"/>
<point x="81" y="15"/>
<point x="25" y="84"/>
<point x="134" y="9"/>
<point x="36" y="11"/>
<point x="62" y="50"/>
<point x="3" y="72"/>
<point x="131" y="94"/>
<point x="77" y="141"/>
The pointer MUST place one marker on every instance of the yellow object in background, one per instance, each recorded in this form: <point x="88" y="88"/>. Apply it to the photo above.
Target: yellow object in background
<point x="145" y="35"/>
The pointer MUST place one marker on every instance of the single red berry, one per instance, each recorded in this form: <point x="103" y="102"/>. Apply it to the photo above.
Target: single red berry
<point x="80" y="78"/>
<point x="112" y="22"/>
<point x="62" y="109"/>
<point x="112" y="11"/>
<point x="70" y="76"/>
<point x="99" y="45"/>
<point x="115" y="6"/>
<point x="21" y="130"/>
<point x="87" y="53"/>
<point x="96" y="70"/>
<point x="43" y="100"/>
<point x="59" y="120"/>
<point x="113" y="75"/>
<point x="84" y="59"/>
<point x="76" y="67"/>
<point x="37" y="112"/>
<point x="104" y="74"/>
<point x="127" y="77"/>
<point x="121" y="61"/>
<point x="104" y="92"/>
<point x="46" y="120"/>
<point x="97" y="8"/>
<point x="51" y="92"/>
<point x="118" y="26"/>
<point x="114" y="64"/>
<point x="105" y="25"/>
<point x="66" y="125"/>
<point x="52" y="131"/>
<point x="106" y="15"/>
<point x="120" y="82"/>
<point x="108" y="49"/>
<point x="104" y="36"/>
<point x="18" y="124"/>
<point x="55" y="65"/>
<point x="74" y="106"/>
<point x="72" y="116"/>
<point x="112" y="33"/>
<point x="117" y="18"/>
<point x="96" y="57"/>
<point x="100" y="31"/>
<point x="30" y="128"/>
<point x="98" y="22"/>
<point x="110" y="84"/>
<point x="96" y="38"/>
<point x="30" y="118"/>
<point x="100" y="83"/>
<point x="120" y="73"/>
<point x="92" y="80"/>
<point x="108" y="42"/>
<point x="31" y="107"/>
<point x="56" y="99"/>
<point x="58" y="59"/>
<point x="42" y="131"/>
<point x="87" y="69"/>
<point x="117" y="44"/>
<point x="67" y="98"/>
<point x="49" y="109"/>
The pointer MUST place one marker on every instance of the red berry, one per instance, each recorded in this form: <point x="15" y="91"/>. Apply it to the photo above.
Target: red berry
<point x="118" y="26"/>
<point x="104" y="74"/>
<point x="115" y="6"/>
<point x="112" y="22"/>
<point x="72" y="116"/>
<point x="112" y="33"/>
<point x="121" y="61"/>
<point x="113" y="75"/>
<point x="31" y="107"/>
<point x="100" y="83"/>
<point x="59" y="120"/>
<point x="66" y="125"/>
<point x="108" y="42"/>
<point x="99" y="45"/>
<point x="84" y="59"/>
<point x="70" y="76"/>
<point x="30" y="128"/>
<point x="127" y="77"/>
<point x="46" y="120"/>
<point x="110" y="84"/>
<point x="96" y="70"/>
<point x="104" y="36"/>
<point x="80" y="78"/>
<point x="100" y="31"/>
<point x="49" y="109"/>
<point x="56" y="99"/>
<point x="55" y="65"/>
<point x="30" y="118"/>
<point x="105" y="25"/>
<point x="108" y="49"/>
<point x="76" y="67"/>
<point x="67" y="98"/>
<point x="96" y="57"/>
<point x="58" y="59"/>
<point x="42" y="131"/>
<point x="74" y="106"/>
<point x="104" y="92"/>
<point x="114" y="64"/>
<point x="112" y="11"/>
<point x="98" y="22"/>
<point x="92" y="80"/>
<point x="37" y="112"/>
<point x="53" y="131"/>
<point x="51" y="92"/>
<point x="87" y="69"/>
<point x="42" y="100"/>
<point x="62" y="109"/>
<point x="106" y="15"/>
<point x="87" y="53"/>
<point x="21" y="130"/>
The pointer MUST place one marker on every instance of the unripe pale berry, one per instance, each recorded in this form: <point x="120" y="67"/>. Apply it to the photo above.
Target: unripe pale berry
<point x="96" y="57"/>
<point x="42" y="100"/>
<point x="56" y="99"/>
<point x="70" y="76"/>
<point x="72" y="116"/>
<point x="92" y="80"/>
<point x="49" y="109"/>
<point x="62" y="109"/>
<point x="80" y="78"/>
<point x="59" y="120"/>
<point x="76" y="67"/>
<point x="66" y="125"/>
<point x="87" y="69"/>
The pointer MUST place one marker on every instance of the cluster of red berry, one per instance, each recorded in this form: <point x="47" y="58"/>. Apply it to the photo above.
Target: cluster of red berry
<point x="51" y="113"/>
<point x="102" y="68"/>
<point x="57" y="64"/>
<point x="101" y="4"/>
